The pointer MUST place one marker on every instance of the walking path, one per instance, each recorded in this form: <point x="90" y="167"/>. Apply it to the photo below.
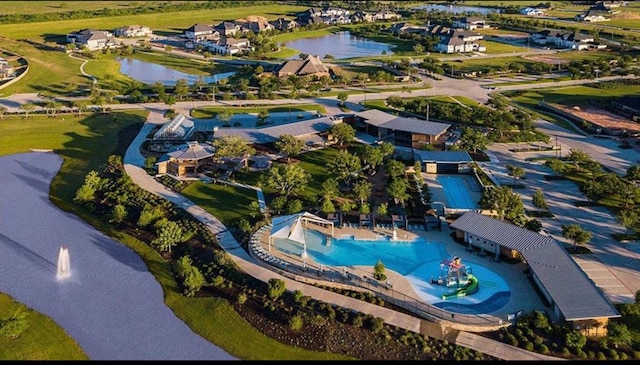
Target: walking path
<point x="133" y="162"/>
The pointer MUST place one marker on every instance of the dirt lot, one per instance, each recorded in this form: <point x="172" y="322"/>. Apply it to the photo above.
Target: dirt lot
<point x="601" y="117"/>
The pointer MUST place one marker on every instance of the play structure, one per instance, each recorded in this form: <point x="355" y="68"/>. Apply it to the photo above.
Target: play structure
<point x="458" y="277"/>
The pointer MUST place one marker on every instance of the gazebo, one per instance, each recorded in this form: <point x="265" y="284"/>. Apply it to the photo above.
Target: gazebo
<point x="290" y="227"/>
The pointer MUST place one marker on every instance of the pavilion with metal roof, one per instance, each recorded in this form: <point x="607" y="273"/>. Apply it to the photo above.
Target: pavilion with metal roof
<point x="572" y="295"/>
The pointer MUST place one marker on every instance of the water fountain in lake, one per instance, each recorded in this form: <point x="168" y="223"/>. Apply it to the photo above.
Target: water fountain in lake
<point x="64" y="268"/>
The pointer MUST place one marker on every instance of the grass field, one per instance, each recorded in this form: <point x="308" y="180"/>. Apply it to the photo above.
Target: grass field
<point x="42" y="7"/>
<point x="43" y="339"/>
<point x="211" y="112"/>
<point x="55" y="30"/>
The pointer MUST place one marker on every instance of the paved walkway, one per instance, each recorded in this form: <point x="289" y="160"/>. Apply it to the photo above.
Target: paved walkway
<point x="133" y="162"/>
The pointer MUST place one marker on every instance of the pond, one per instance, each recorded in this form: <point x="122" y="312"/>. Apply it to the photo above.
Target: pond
<point x="458" y="9"/>
<point x="340" y="45"/>
<point x="149" y="73"/>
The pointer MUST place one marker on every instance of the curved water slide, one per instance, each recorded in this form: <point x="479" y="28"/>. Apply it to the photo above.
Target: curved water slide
<point x="469" y="289"/>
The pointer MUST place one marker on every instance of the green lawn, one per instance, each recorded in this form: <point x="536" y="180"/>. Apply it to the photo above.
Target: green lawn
<point x="227" y="203"/>
<point x="42" y="7"/>
<point x="494" y="47"/>
<point x="43" y="339"/>
<point x="212" y="111"/>
<point x="315" y="163"/>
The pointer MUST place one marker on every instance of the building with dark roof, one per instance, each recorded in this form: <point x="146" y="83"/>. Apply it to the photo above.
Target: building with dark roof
<point x="405" y="132"/>
<point x="573" y="297"/>
<point x="310" y="66"/>
<point x="443" y="162"/>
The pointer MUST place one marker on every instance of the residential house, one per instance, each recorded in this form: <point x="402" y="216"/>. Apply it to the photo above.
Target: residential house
<point x="230" y="46"/>
<point x="129" y="31"/>
<point x="401" y="131"/>
<point x="564" y="39"/>
<point x="227" y="29"/>
<point x="470" y="23"/>
<point x="201" y="31"/>
<point x="532" y="11"/>
<point x="594" y="16"/>
<point x="385" y="15"/>
<point x="310" y="66"/>
<point x="93" y="39"/>
<point x="457" y="40"/>
<point x="404" y="27"/>
<point x="360" y="16"/>
<point x="255" y="26"/>
<point x="574" y="298"/>
<point x="187" y="160"/>
<point x="284" y="24"/>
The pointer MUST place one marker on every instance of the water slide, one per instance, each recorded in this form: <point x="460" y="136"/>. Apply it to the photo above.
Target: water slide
<point x="470" y="288"/>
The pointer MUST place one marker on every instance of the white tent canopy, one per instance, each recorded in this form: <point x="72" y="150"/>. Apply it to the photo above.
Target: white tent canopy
<point x="290" y="226"/>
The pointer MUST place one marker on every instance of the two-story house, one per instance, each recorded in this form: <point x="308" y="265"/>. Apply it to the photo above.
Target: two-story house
<point x="92" y="39"/>
<point x="470" y="23"/>
<point x="130" y="31"/>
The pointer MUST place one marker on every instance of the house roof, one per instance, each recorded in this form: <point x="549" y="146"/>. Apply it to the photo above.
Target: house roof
<point x="575" y="295"/>
<point x="442" y="156"/>
<point x="272" y="134"/>
<point x="311" y="65"/>
<point x="192" y="151"/>
<point x="389" y="121"/>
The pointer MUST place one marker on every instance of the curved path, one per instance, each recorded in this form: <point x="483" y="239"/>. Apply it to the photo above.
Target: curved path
<point x="111" y="304"/>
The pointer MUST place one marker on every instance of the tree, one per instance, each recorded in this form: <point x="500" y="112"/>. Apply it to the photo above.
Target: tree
<point x="397" y="190"/>
<point x="619" y="334"/>
<point x="516" y="171"/>
<point x="575" y="340"/>
<point x="371" y="156"/>
<point x="181" y="89"/>
<point x="14" y="326"/>
<point x="344" y="165"/>
<point x="418" y="48"/>
<point x="3" y="109"/>
<point x="329" y="188"/>
<point x="233" y="146"/>
<point x="628" y="217"/>
<point x="504" y="202"/>
<point x="224" y="116"/>
<point x="394" y="169"/>
<point x="118" y="214"/>
<point x="278" y="203"/>
<point x="577" y="234"/>
<point x="533" y="225"/>
<point x="378" y="270"/>
<point x="192" y="278"/>
<point x="286" y="179"/>
<point x="169" y="99"/>
<point x="168" y="234"/>
<point x="383" y="209"/>
<point x="473" y="139"/>
<point x="327" y="206"/>
<point x="386" y="148"/>
<point x="289" y="145"/>
<point x="159" y="89"/>
<point x="342" y="96"/>
<point x="362" y="190"/>
<point x="578" y="158"/>
<point x="343" y="133"/>
<point x="27" y="108"/>
<point x="294" y="206"/>
<point x="538" y="199"/>
<point x="633" y="173"/>
<point x="263" y="115"/>
<point x="276" y="287"/>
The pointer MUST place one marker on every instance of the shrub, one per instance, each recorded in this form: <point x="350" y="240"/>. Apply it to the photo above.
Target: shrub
<point x="242" y="298"/>
<point x="543" y="349"/>
<point x="528" y="346"/>
<point x="358" y="321"/>
<point x="296" y="322"/>
<point x="600" y="356"/>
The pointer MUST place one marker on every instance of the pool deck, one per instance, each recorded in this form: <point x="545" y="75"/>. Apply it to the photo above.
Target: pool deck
<point x="523" y="295"/>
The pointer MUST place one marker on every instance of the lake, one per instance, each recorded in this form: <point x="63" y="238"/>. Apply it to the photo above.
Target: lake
<point x="340" y="45"/>
<point x="458" y="9"/>
<point x="149" y="73"/>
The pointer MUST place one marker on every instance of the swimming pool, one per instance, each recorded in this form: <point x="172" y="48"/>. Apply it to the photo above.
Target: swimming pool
<point x="417" y="260"/>
<point x="457" y="193"/>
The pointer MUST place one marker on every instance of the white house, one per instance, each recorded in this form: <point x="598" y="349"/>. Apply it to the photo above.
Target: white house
<point x="132" y="31"/>
<point x="470" y="23"/>
<point x="230" y="46"/>
<point x="532" y="12"/>
<point x="200" y="31"/>
<point x="93" y="39"/>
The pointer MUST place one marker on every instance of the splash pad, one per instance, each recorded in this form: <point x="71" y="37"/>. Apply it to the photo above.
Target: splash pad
<point x="458" y="277"/>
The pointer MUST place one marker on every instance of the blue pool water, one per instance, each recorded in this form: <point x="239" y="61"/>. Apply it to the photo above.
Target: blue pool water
<point x="417" y="260"/>
<point x="457" y="192"/>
